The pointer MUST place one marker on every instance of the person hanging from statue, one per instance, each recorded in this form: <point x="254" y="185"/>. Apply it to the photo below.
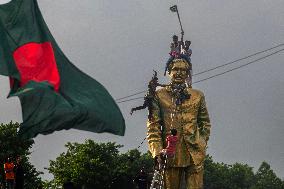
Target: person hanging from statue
<point x="186" y="112"/>
<point x="152" y="85"/>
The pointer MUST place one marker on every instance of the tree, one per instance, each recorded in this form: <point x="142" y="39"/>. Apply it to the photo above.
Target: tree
<point x="99" y="166"/>
<point x="216" y="175"/>
<point x="131" y="164"/>
<point x="241" y="176"/>
<point x="13" y="146"/>
<point x="266" y="178"/>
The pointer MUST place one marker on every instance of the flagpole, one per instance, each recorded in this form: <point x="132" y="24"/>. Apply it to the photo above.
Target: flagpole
<point x="175" y="9"/>
<point x="182" y="32"/>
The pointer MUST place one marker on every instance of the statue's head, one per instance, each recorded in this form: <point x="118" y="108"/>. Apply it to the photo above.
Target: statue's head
<point x="178" y="71"/>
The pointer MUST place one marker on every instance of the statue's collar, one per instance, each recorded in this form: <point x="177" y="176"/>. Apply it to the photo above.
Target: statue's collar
<point x="179" y="92"/>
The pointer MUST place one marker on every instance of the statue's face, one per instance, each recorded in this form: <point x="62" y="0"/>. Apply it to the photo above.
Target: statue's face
<point x="179" y="72"/>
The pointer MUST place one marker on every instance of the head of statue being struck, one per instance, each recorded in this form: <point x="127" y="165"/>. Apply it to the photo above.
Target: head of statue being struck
<point x="179" y="70"/>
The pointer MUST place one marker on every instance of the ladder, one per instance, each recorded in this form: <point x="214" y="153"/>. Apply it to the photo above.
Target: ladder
<point x="158" y="177"/>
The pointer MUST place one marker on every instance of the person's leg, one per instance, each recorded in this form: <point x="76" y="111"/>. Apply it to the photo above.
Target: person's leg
<point x="14" y="184"/>
<point x="194" y="177"/>
<point x="173" y="177"/>
<point x="9" y="184"/>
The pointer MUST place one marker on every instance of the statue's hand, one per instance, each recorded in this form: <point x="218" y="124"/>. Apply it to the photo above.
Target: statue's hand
<point x="200" y="143"/>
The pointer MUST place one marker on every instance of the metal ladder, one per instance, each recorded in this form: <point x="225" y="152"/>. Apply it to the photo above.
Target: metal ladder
<point x="158" y="177"/>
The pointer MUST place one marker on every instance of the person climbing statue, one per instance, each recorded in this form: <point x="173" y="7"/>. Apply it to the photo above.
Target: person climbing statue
<point x="170" y="150"/>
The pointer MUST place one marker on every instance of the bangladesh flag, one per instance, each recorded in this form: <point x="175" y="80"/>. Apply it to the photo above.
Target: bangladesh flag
<point x="54" y="94"/>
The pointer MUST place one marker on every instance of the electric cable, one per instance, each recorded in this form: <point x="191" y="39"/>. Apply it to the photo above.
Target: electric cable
<point x="214" y="68"/>
<point x="216" y="75"/>
<point x="240" y="59"/>
<point x="130" y="99"/>
<point x="141" y="92"/>
<point x="251" y="62"/>
<point x="230" y="70"/>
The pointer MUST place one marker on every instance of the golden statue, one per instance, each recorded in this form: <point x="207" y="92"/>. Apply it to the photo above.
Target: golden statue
<point x="177" y="106"/>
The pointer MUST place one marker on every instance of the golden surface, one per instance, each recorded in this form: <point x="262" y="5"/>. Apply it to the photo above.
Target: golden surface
<point x="192" y="122"/>
<point x="193" y="177"/>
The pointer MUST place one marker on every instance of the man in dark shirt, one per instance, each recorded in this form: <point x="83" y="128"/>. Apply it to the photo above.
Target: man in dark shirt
<point x="19" y="174"/>
<point x="68" y="185"/>
<point x="142" y="179"/>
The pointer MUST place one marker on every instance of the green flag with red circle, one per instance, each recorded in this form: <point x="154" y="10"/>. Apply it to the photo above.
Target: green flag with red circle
<point x="54" y="94"/>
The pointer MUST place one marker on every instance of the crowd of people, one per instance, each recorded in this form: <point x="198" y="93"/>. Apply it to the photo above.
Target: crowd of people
<point x="14" y="174"/>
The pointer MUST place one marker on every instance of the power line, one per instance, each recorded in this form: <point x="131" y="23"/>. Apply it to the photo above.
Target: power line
<point x="211" y="69"/>
<point x="251" y="62"/>
<point x="240" y="59"/>
<point x="222" y="73"/>
<point x="131" y="95"/>
<point x="129" y="100"/>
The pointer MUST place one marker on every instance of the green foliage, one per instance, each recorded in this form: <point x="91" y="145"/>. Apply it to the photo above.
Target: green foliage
<point x="216" y="175"/>
<point x="266" y="178"/>
<point x="13" y="146"/>
<point x="239" y="176"/>
<point x="99" y="166"/>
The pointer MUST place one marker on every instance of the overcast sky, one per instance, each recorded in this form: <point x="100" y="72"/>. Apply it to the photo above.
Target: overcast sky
<point x="119" y="43"/>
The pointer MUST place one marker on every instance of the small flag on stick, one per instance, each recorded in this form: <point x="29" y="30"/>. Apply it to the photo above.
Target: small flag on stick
<point x="173" y="8"/>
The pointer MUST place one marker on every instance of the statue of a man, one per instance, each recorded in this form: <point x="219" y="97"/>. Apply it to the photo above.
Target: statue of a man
<point x="179" y="107"/>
